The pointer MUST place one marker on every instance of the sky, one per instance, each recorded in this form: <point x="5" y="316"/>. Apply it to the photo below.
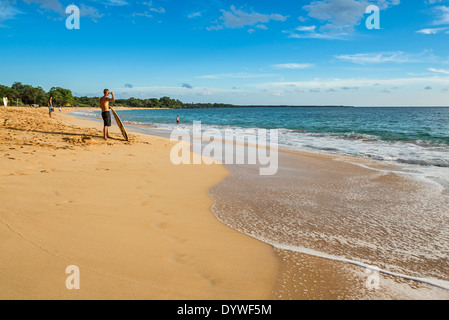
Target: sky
<point x="256" y="52"/>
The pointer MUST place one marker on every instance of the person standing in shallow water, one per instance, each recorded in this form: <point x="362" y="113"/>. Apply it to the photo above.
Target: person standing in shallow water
<point x="105" y="111"/>
<point x="177" y="120"/>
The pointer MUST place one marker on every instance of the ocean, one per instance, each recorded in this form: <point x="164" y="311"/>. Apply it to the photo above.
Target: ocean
<point x="401" y="228"/>
<point x="405" y="135"/>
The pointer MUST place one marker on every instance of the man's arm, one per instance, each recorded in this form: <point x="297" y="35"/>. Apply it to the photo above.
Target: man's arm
<point x="113" y="97"/>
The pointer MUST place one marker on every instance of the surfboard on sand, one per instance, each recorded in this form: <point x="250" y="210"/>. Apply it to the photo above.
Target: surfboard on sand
<point x="120" y="124"/>
<point x="5" y="102"/>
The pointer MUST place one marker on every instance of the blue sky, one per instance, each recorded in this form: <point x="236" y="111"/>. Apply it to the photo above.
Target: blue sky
<point x="243" y="52"/>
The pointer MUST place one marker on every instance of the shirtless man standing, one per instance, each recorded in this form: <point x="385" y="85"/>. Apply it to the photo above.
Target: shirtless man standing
<point x="50" y="106"/>
<point x="105" y="113"/>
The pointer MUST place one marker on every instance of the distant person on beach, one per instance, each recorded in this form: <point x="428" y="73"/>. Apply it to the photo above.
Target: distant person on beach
<point x="105" y="111"/>
<point x="50" y="106"/>
<point x="177" y="120"/>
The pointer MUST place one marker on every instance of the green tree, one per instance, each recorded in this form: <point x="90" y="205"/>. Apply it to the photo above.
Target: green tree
<point x="86" y="102"/>
<point x="19" y="87"/>
<point x="154" y="103"/>
<point x="167" y="102"/>
<point x="7" y="92"/>
<point x="28" y="94"/>
<point x="61" y="96"/>
<point x="135" y="103"/>
<point x="32" y="95"/>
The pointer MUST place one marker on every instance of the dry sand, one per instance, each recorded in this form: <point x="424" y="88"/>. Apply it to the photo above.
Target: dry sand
<point x="137" y="226"/>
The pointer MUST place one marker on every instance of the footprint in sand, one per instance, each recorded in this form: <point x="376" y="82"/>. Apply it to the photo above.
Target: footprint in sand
<point x="212" y="281"/>
<point x="162" y="225"/>
<point x="47" y="171"/>
<point x="180" y="258"/>
<point x="17" y="174"/>
<point x="162" y="213"/>
<point x="179" y="240"/>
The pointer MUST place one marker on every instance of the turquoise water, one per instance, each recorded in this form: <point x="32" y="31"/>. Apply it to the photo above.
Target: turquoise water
<point x="405" y="135"/>
<point x="421" y="125"/>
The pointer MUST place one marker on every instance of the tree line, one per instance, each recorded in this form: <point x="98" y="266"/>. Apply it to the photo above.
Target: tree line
<point x="28" y="95"/>
<point x="164" y="102"/>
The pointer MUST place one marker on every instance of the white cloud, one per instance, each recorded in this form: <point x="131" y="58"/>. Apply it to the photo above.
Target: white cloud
<point x="443" y="15"/>
<point x="365" y="58"/>
<point x="428" y="31"/>
<point x="241" y="75"/>
<point x="349" y="91"/>
<point x="194" y="15"/>
<point x="158" y="10"/>
<point x="187" y="86"/>
<point x="148" y="13"/>
<point x="306" y="28"/>
<point x="85" y="10"/>
<point x="293" y="66"/>
<point x="91" y="12"/>
<point x="118" y="3"/>
<point x="7" y="11"/>
<point x="314" y="34"/>
<point x="337" y="13"/>
<point x="387" y="57"/>
<point x="178" y="92"/>
<point x="439" y="70"/>
<point x="145" y="14"/>
<point x="237" y="18"/>
<point x="214" y="28"/>
<point x="441" y="19"/>
<point x="53" y="5"/>
<point x="338" y="18"/>
<point x="356" y="83"/>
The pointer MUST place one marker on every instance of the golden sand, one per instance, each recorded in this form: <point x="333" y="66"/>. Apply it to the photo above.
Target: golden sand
<point x="137" y="226"/>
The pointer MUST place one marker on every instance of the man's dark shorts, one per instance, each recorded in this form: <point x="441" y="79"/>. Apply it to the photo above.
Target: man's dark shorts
<point x="107" y="118"/>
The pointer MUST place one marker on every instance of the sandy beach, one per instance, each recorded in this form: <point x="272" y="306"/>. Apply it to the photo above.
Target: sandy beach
<point x="137" y="226"/>
<point x="274" y="151"/>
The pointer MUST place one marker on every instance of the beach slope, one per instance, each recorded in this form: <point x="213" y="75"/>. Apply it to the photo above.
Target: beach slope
<point x="136" y="226"/>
